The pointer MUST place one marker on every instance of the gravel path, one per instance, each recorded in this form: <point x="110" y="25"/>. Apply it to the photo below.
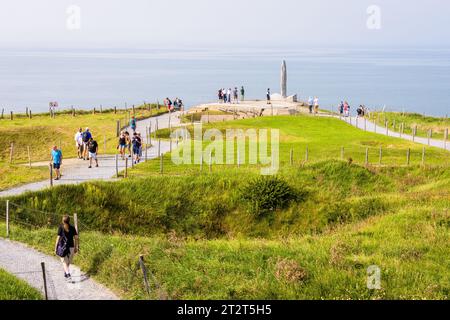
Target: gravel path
<point x="76" y="171"/>
<point x="25" y="263"/>
<point x="362" y="124"/>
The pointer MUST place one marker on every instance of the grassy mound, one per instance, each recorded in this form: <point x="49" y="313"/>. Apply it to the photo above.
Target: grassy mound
<point x="12" y="288"/>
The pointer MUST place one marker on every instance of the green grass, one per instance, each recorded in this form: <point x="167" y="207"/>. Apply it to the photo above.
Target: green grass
<point x="410" y="120"/>
<point x="324" y="138"/>
<point x="197" y="116"/>
<point x="203" y="239"/>
<point x="13" y="175"/>
<point x="12" y="288"/>
<point x="41" y="132"/>
<point x="410" y="246"/>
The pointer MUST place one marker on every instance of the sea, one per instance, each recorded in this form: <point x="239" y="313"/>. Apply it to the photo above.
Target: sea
<point x="399" y="79"/>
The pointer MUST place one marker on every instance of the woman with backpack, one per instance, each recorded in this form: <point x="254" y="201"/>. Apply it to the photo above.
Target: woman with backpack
<point x="66" y="245"/>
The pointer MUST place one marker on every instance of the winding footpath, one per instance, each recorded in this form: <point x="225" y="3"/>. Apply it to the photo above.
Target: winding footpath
<point x="76" y="171"/>
<point x="25" y="262"/>
<point x="366" y="125"/>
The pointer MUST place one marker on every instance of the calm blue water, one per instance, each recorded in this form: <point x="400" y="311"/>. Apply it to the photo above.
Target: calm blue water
<point x="414" y="80"/>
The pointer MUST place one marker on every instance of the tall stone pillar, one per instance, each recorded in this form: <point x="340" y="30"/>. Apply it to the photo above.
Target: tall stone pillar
<point x="283" y="79"/>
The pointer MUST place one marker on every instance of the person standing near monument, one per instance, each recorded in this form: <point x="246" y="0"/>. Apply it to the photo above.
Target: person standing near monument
<point x="235" y="95"/>
<point x="268" y="95"/>
<point x="316" y="105"/>
<point x="242" y="93"/>
<point x="310" y="104"/>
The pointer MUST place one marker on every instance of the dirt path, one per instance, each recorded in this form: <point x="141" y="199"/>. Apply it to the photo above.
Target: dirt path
<point x="25" y="263"/>
<point x="76" y="171"/>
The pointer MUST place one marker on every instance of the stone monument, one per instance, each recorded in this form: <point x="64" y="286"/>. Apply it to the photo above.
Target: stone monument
<point x="283" y="83"/>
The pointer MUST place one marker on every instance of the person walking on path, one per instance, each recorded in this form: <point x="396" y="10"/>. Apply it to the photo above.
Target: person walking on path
<point x="236" y="95"/>
<point x="133" y="124"/>
<point x="66" y="245"/>
<point x="57" y="161"/>
<point x="122" y="145"/>
<point x="316" y="105"/>
<point x="310" y="104"/>
<point x="229" y="95"/>
<point x="268" y="95"/>
<point x="79" y="143"/>
<point x="242" y="93"/>
<point x="341" y="108"/>
<point x="128" y="143"/>
<point x="346" y="109"/>
<point x="137" y="143"/>
<point x="86" y="136"/>
<point x="93" y="152"/>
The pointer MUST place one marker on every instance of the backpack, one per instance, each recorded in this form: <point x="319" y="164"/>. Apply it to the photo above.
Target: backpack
<point x="85" y="136"/>
<point x="62" y="250"/>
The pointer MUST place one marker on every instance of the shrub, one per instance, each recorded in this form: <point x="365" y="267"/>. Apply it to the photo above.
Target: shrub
<point x="267" y="194"/>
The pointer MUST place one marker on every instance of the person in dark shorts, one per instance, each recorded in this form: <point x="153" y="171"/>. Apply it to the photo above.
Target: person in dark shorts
<point x="122" y="145"/>
<point x="268" y="96"/>
<point x="93" y="152"/>
<point x="86" y="136"/>
<point x="57" y="161"/>
<point x="66" y="245"/>
<point x="137" y="143"/>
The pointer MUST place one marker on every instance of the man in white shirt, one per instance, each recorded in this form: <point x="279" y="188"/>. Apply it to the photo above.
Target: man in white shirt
<point x="79" y="143"/>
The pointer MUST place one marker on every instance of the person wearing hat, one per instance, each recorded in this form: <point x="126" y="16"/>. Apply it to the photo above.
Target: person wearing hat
<point x="86" y="136"/>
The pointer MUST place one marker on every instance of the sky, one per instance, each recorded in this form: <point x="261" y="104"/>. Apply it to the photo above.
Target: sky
<point x="230" y="23"/>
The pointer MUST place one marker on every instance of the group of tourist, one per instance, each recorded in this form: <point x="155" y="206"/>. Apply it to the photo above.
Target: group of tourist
<point x="344" y="110"/>
<point x="177" y="104"/>
<point x="231" y="96"/>
<point x="313" y="105"/>
<point x="131" y="144"/>
<point x="87" y="149"/>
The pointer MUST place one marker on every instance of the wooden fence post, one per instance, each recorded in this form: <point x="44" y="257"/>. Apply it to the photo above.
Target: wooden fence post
<point x="146" y="149"/>
<point x="161" y="165"/>
<point x="423" y="156"/>
<point x="3" y="111"/>
<point x="408" y="156"/>
<point x="366" y="162"/>
<point x="29" y="114"/>
<point x="29" y="156"/>
<point x="117" y="165"/>
<point x="51" y="174"/>
<point x="144" y="273"/>
<point x="7" y="218"/>
<point x="75" y="222"/>
<point x="118" y="129"/>
<point x="210" y="161"/>
<point x="380" y="160"/>
<point x="429" y="136"/>
<point x="365" y="124"/>
<point x="306" y="154"/>
<point x="11" y="153"/>
<point x="291" y="157"/>
<point x="45" y="279"/>
<point x="159" y="146"/>
<point x="386" y="124"/>
<point x="445" y="138"/>
<point x="414" y="133"/>
<point x="11" y="116"/>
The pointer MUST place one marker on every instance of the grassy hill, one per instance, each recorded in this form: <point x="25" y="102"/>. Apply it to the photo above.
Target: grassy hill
<point x="41" y="132"/>
<point x="411" y="120"/>
<point x="310" y="232"/>
<point x="12" y="288"/>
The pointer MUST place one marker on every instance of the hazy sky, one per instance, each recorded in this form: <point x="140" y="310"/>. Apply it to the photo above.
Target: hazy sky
<point x="227" y="23"/>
